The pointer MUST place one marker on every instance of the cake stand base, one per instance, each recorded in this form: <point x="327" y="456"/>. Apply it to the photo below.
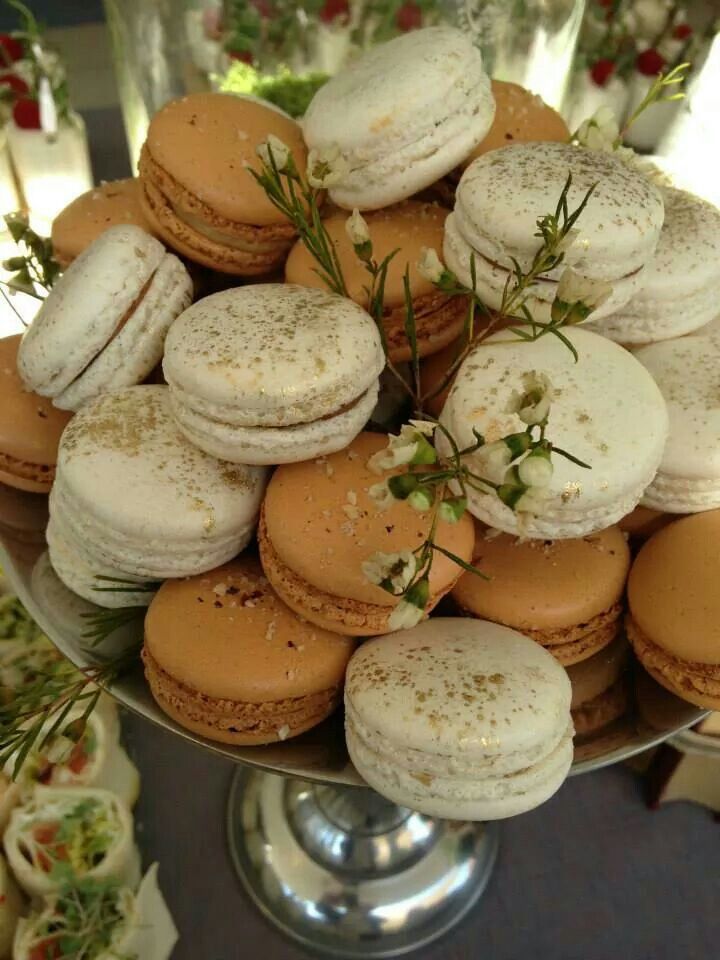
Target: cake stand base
<point x="347" y="873"/>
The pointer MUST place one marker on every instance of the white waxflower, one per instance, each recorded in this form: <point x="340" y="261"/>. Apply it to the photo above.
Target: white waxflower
<point x="274" y="146"/>
<point x="381" y="496"/>
<point x="532" y="406"/>
<point x="397" y="568"/>
<point x="599" y="132"/>
<point x="403" y="448"/>
<point x="573" y="288"/>
<point x="534" y="501"/>
<point x="326" y="167"/>
<point x="357" y="229"/>
<point x="430" y="266"/>
<point x="535" y="471"/>
<point x="493" y="461"/>
<point x="404" y="616"/>
<point x="425" y="427"/>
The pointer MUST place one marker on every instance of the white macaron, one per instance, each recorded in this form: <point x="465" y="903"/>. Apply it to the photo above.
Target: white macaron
<point x="502" y="195"/>
<point x="273" y="373"/>
<point x="104" y="323"/>
<point x="607" y="411"/>
<point x="134" y="499"/>
<point x="401" y="116"/>
<point x="681" y="283"/>
<point x="462" y="719"/>
<point x="687" y="372"/>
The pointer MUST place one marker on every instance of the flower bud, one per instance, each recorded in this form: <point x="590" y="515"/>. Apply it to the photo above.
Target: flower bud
<point x="421" y="499"/>
<point x="402" y="485"/>
<point x="430" y="266"/>
<point x="419" y="593"/>
<point x="452" y="509"/>
<point x="536" y="470"/>
<point x="359" y="235"/>
<point x="425" y="452"/>
<point x="274" y="151"/>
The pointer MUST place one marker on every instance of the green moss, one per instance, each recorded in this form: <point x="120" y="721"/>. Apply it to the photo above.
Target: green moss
<point x="287" y="90"/>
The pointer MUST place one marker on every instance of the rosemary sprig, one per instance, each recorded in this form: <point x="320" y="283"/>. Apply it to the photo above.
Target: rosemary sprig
<point x="662" y="90"/>
<point x="297" y="200"/>
<point x="39" y="709"/>
<point x="33" y="267"/>
<point x="104" y="622"/>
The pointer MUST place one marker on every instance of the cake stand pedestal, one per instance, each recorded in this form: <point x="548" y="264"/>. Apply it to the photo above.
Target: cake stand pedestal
<point x="348" y="873"/>
<point x="327" y="860"/>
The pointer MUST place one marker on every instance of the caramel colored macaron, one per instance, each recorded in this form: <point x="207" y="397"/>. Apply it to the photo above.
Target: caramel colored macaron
<point x="600" y="688"/>
<point x="197" y="190"/>
<point x="407" y="228"/>
<point x="520" y="116"/>
<point x="565" y="594"/>
<point x="94" y="212"/>
<point x="30" y="428"/>
<point x="674" y="618"/>
<point x="227" y="659"/>
<point x="319" y="524"/>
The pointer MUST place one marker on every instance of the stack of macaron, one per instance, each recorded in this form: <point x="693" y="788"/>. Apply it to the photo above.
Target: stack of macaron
<point x="466" y="716"/>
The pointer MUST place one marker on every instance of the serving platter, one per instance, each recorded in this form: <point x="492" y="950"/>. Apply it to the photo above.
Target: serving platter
<point x="319" y="755"/>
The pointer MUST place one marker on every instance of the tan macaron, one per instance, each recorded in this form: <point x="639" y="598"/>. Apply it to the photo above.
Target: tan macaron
<point x="408" y="228"/>
<point x="319" y="525"/>
<point x="643" y="522"/>
<point x="30" y="428"/>
<point x="227" y="659"/>
<point x="674" y="600"/>
<point x="198" y="192"/>
<point x="565" y="594"/>
<point x="94" y="212"/>
<point x="520" y="116"/>
<point x="600" y="688"/>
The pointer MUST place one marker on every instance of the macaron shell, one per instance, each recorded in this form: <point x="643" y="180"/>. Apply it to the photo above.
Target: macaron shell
<point x="85" y="307"/>
<point x="272" y="355"/>
<point x="30" y="427"/>
<point x="227" y="635"/>
<point x="545" y="585"/>
<point x="621" y="440"/>
<point x="672" y="589"/>
<point x="323" y="525"/>
<point x="643" y="522"/>
<point x="597" y="674"/>
<point x="453" y="797"/>
<point x="461" y="691"/>
<point x="407" y="228"/>
<point x="82" y="221"/>
<point x="137" y="348"/>
<point x="275" y="445"/>
<point x="686" y="371"/>
<point x="207" y="141"/>
<point x="502" y="193"/>
<point x="403" y="115"/>
<point x="128" y="478"/>
<point x="520" y="116"/>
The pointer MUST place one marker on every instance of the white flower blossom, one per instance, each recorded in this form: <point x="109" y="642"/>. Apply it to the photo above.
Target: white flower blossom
<point x="401" y="449"/>
<point x="274" y="146"/>
<point x="357" y="229"/>
<point x="430" y="266"/>
<point x="535" y="471"/>
<point x="381" y="496"/>
<point x="650" y="17"/>
<point x="573" y="288"/>
<point x="599" y="132"/>
<point x="533" y="501"/>
<point x="326" y="167"/>
<point x="493" y="461"/>
<point x="404" y="616"/>
<point x="532" y="406"/>
<point x="397" y="568"/>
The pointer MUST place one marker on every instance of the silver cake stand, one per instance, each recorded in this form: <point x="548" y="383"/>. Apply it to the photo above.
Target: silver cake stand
<point x="327" y="860"/>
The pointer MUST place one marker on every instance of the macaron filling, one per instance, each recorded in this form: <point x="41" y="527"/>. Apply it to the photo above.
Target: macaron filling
<point x="259" y="722"/>
<point x="697" y="682"/>
<point x="42" y="474"/>
<point x="603" y="709"/>
<point x="438" y="321"/>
